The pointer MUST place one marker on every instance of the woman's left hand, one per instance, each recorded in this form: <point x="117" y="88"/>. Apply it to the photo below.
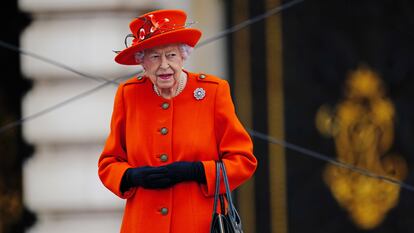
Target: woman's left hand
<point x="185" y="171"/>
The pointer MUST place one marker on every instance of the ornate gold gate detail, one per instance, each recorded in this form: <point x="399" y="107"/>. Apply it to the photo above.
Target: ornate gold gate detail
<point x="362" y="125"/>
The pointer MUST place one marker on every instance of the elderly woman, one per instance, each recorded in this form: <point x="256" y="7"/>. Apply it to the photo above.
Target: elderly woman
<point x="168" y="128"/>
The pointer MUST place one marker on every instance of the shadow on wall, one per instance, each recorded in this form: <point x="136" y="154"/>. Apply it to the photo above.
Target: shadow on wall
<point x="14" y="217"/>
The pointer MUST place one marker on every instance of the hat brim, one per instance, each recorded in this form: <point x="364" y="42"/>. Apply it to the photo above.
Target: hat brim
<point x="187" y="36"/>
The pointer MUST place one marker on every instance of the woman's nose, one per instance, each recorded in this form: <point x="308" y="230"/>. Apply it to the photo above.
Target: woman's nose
<point x="164" y="63"/>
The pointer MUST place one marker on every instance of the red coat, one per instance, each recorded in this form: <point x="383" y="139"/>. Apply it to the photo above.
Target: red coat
<point x="198" y="130"/>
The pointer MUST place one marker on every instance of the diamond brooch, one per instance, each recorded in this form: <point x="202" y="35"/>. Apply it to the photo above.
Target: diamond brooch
<point x="199" y="93"/>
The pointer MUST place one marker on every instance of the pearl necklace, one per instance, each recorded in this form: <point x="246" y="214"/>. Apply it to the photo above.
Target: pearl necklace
<point x="180" y="87"/>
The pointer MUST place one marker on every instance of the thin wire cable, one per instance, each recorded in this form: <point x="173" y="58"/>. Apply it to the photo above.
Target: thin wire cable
<point x="328" y="159"/>
<point x="224" y="33"/>
<point x="63" y="103"/>
<point x="250" y="21"/>
<point x="55" y="63"/>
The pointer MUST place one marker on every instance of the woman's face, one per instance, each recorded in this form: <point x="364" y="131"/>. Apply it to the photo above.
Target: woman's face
<point x="163" y="65"/>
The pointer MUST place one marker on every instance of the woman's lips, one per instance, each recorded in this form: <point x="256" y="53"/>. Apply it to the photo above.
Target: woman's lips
<point x="165" y="76"/>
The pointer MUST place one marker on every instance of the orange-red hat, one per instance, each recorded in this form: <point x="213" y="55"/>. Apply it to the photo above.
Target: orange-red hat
<point x="157" y="28"/>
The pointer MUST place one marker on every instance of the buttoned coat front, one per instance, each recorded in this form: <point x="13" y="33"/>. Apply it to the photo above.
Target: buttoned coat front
<point x="148" y="130"/>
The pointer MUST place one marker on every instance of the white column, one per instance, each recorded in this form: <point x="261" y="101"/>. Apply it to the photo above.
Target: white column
<point x="61" y="184"/>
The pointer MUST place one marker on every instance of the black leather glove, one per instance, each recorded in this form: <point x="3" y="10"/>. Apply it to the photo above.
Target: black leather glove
<point x="185" y="171"/>
<point x="146" y="177"/>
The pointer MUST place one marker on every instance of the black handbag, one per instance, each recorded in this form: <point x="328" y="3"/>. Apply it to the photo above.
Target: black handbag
<point x="226" y="221"/>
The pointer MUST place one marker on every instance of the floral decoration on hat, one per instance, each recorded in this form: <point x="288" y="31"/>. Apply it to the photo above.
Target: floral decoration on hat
<point x="154" y="29"/>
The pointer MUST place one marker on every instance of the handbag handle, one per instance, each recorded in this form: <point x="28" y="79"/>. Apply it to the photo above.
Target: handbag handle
<point x="232" y="213"/>
<point x="220" y="166"/>
<point x="228" y="192"/>
<point x="217" y="191"/>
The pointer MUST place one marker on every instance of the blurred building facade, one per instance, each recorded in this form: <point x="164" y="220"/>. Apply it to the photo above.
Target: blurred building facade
<point x="13" y="148"/>
<point x="289" y="75"/>
<point x="355" y="60"/>
<point x="60" y="179"/>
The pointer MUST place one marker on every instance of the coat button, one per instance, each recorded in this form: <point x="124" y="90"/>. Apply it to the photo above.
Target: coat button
<point x="164" y="211"/>
<point x="164" y="158"/>
<point x="165" y="106"/>
<point x="139" y="77"/>
<point x="202" y="76"/>
<point x="164" y="131"/>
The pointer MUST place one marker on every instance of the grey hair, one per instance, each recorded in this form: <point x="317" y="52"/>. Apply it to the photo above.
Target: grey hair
<point x="185" y="51"/>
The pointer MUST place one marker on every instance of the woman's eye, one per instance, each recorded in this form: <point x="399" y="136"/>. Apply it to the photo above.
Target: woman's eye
<point x="171" y="55"/>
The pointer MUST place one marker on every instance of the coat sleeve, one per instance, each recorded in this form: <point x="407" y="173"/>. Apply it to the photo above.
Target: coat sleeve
<point x="113" y="160"/>
<point x="234" y="144"/>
